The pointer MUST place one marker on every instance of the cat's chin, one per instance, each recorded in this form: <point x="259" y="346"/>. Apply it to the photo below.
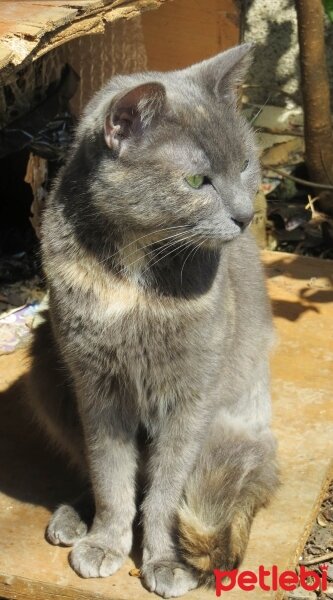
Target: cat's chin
<point x="217" y="243"/>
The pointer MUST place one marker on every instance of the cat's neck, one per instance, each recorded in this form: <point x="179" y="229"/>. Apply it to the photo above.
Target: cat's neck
<point x="173" y="265"/>
<point x="177" y="270"/>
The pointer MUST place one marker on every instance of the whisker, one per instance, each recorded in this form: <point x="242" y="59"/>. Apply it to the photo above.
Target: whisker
<point x="141" y="238"/>
<point x="198" y="247"/>
<point x="166" y="246"/>
<point x="173" y="243"/>
<point x="193" y="252"/>
<point x="185" y="237"/>
<point x="179" y="248"/>
<point x="151" y="251"/>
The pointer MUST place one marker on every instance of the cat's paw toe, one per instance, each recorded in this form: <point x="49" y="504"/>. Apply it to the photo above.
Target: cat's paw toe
<point x="89" y="558"/>
<point x="65" y="526"/>
<point x="168" y="579"/>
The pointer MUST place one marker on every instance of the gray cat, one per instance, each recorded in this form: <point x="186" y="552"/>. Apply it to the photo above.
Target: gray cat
<point x="152" y="364"/>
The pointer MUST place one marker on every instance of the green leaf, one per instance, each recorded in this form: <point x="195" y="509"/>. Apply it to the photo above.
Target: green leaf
<point x="328" y="5"/>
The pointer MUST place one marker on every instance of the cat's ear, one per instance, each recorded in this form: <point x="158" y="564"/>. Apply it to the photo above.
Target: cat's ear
<point x="223" y="73"/>
<point x="132" y="112"/>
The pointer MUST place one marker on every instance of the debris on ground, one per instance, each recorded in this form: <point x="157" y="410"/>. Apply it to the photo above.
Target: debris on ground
<point x="15" y="326"/>
<point x="45" y="133"/>
<point x="318" y="550"/>
<point x="135" y="573"/>
<point x="299" y="215"/>
<point x="19" y="303"/>
<point x="302" y="594"/>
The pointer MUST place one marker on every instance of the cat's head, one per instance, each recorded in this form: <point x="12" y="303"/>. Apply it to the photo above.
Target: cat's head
<point x="174" y="150"/>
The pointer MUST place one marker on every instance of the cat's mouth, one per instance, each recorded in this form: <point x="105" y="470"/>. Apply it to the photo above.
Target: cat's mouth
<point x="213" y="239"/>
<point x="216" y="243"/>
<point x="199" y="241"/>
<point x="178" y="238"/>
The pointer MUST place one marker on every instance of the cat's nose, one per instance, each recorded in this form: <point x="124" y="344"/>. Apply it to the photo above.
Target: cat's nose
<point x="243" y="221"/>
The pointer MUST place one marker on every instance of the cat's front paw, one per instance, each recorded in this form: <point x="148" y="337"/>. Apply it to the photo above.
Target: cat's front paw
<point x="92" y="557"/>
<point x="168" y="579"/>
<point x="65" y="526"/>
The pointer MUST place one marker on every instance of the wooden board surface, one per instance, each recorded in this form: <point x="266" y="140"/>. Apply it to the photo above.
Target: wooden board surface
<point x="28" y="29"/>
<point x="183" y="32"/>
<point x="33" y="480"/>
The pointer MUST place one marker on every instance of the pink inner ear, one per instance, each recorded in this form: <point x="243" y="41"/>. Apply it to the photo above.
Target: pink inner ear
<point x="125" y="118"/>
<point x="108" y="133"/>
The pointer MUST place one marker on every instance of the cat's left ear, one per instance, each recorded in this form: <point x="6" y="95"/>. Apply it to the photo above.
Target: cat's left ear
<point x="133" y="112"/>
<point x="223" y="73"/>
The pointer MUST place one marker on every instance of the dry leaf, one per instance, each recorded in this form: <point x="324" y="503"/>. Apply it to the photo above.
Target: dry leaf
<point x="328" y="513"/>
<point x="287" y="153"/>
<point x="36" y="176"/>
<point x="321" y="520"/>
<point x="135" y="572"/>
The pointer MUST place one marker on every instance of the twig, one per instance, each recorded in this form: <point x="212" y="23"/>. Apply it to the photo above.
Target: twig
<point x="274" y="131"/>
<point x="310" y="205"/>
<point x="323" y="186"/>
<point x="271" y="89"/>
<point x="259" y="111"/>
<point x="317" y="559"/>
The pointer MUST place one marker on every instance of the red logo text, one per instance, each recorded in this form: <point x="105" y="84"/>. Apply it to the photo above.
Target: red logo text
<point x="270" y="579"/>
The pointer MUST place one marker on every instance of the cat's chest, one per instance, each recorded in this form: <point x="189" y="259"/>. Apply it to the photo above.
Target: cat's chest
<point x="152" y="341"/>
<point x="147" y="346"/>
<point x="142" y="330"/>
<point x="113" y="316"/>
<point x="149" y="339"/>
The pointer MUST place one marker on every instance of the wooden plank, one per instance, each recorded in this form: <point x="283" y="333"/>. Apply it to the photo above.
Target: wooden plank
<point x="6" y="55"/>
<point x="89" y="26"/>
<point x="33" y="480"/>
<point x="92" y="23"/>
<point x="42" y="17"/>
<point x="45" y="25"/>
<point x="21" y="30"/>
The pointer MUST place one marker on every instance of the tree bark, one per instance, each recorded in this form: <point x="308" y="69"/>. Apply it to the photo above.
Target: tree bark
<point x="315" y="91"/>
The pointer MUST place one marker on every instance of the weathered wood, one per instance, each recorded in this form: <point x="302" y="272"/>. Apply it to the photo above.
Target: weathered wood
<point x="29" y="29"/>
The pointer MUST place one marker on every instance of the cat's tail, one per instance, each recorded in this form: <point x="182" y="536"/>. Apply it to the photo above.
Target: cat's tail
<point x="235" y="476"/>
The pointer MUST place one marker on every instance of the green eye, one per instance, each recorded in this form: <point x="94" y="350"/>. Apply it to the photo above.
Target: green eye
<point x="195" y="181"/>
<point x="245" y="165"/>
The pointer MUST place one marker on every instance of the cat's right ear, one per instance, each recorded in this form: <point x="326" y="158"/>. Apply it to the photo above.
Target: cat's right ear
<point x="133" y="112"/>
<point x="222" y="73"/>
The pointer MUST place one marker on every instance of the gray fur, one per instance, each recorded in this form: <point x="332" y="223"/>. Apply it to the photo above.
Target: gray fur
<point x="159" y="322"/>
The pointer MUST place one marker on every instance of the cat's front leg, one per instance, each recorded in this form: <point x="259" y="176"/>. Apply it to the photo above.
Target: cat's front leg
<point x="111" y="453"/>
<point x="173" y="455"/>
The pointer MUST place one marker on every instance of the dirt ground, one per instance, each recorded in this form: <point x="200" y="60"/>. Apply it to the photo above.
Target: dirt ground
<point x="318" y="550"/>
